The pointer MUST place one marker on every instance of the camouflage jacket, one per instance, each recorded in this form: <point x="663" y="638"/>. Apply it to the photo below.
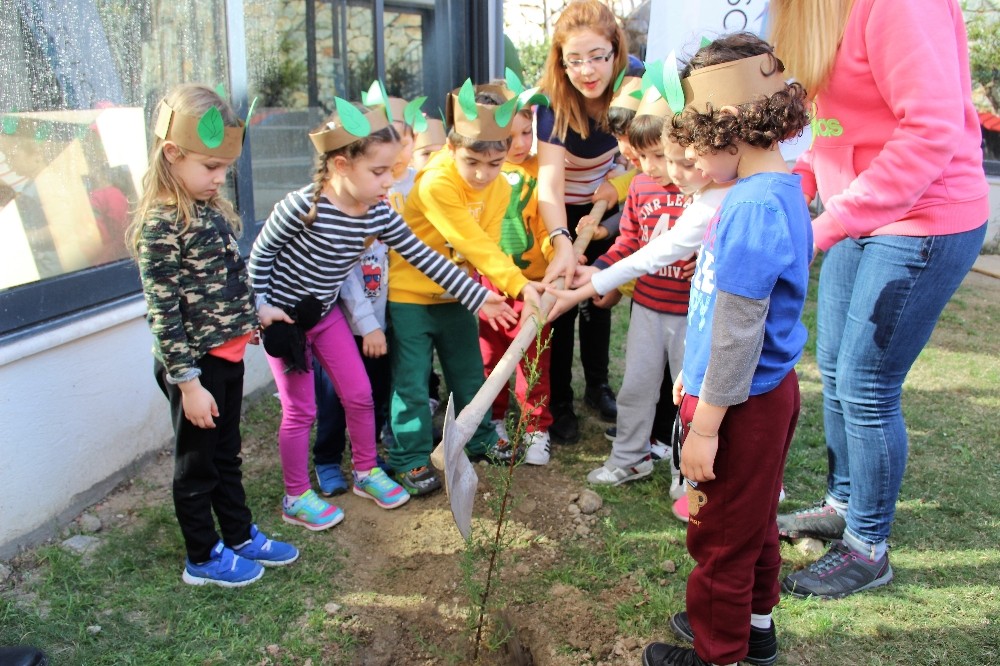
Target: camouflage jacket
<point x="196" y="286"/>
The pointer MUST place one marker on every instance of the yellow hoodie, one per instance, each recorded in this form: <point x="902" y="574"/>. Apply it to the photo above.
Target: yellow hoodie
<point x="458" y="222"/>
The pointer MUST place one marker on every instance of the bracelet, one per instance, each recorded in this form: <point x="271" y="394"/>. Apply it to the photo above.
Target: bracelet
<point x="561" y="231"/>
<point x="700" y="434"/>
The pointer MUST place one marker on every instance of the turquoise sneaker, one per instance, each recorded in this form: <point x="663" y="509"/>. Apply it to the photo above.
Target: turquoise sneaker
<point x="224" y="568"/>
<point x="267" y="552"/>
<point x="310" y="512"/>
<point x="379" y="487"/>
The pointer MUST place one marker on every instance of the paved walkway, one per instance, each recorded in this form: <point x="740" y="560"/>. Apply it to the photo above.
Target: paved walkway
<point x="988" y="264"/>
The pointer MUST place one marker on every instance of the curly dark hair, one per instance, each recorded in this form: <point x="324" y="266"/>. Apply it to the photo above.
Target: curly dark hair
<point x="760" y="123"/>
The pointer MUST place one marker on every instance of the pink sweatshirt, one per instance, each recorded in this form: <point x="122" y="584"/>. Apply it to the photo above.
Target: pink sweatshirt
<point x="896" y="141"/>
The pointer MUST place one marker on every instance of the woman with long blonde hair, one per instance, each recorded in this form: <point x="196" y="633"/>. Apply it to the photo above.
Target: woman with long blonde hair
<point x="897" y="163"/>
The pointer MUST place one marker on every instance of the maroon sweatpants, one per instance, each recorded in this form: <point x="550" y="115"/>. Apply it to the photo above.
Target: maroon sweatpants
<point x="733" y="534"/>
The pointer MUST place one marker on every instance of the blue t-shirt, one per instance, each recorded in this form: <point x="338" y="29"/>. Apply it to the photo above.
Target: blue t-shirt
<point x="758" y="245"/>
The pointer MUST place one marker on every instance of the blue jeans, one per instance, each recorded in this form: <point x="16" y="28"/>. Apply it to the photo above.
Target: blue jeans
<point x="879" y="299"/>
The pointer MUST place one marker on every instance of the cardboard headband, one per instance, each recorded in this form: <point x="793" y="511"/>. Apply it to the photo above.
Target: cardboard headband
<point x="653" y="104"/>
<point x="628" y="94"/>
<point x="351" y="125"/>
<point x="476" y="121"/>
<point x="732" y="83"/>
<point x="434" y="135"/>
<point x="208" y="135"/>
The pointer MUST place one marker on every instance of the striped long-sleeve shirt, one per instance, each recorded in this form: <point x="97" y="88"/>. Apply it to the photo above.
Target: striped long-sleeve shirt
<point x="290" y="260"/>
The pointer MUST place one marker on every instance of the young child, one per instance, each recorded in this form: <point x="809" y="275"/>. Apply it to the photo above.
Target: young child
<point x="364" y="297"/>
<point x="659" y="301"/>
<point x="202" y="317"/>
<point x="428" y="142"/>
<point x="524" y="238"/>
<point x="456" y="206"/>
<point x="740" y="391"/>
<point x="308" y="246"/>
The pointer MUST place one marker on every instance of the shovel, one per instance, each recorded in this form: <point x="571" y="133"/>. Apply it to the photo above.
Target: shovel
<point x="459" y="475"/>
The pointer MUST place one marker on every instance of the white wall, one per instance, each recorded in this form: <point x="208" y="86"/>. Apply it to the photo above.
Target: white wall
<point x="79" y="412"/>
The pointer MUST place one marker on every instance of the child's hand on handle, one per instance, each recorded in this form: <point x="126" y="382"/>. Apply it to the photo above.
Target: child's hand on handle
<point x="198" y="404"/>
<point x="607" y="193"/>
<point x="567" y="298"/>
<point x="497" y="312"/>
<point x="583" y="275"/>
<point x="532" y="300"/>
<point x="600" y="232"/>
<point x="373" y="345"/>
<point x="608" y="300"/>
<point x="268" y="314"/>
<point x="563" y="264"/>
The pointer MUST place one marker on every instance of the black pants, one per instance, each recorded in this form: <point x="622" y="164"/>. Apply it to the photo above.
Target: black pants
<point x="331" y="422"/>
<point x="595" y="329"/>
<point x="207" y="461"/>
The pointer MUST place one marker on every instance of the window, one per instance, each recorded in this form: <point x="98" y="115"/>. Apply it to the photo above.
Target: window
<point x="79" y="81"/>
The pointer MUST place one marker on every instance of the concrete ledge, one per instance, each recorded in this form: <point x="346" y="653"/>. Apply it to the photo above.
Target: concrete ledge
<point x="988" y="264"/>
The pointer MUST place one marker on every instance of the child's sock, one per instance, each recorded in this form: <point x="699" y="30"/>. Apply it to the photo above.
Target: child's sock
<point x="760" y="621"/>
<point x="290" y="500"/>
<point x="362" y="475"/>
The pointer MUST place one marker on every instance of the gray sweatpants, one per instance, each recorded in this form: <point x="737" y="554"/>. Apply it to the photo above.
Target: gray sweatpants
<point x="653" y="339"/>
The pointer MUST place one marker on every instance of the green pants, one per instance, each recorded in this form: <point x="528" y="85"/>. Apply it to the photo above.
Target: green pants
<point x="417" y="330"/>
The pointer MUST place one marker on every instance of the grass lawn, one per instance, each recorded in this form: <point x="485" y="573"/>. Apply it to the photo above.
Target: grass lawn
<point x="124" y="604"/>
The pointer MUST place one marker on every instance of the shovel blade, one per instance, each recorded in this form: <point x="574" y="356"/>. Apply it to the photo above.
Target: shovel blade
<point x="460" y="479"/>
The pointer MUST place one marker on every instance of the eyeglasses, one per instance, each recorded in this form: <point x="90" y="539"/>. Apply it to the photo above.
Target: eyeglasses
<point x="591" y="62"/>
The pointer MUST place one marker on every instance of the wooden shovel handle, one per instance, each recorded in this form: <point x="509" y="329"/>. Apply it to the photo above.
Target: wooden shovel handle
<point x="585" y="235"/>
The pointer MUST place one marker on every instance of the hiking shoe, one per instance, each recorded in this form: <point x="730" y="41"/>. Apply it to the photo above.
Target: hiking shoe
<point x="610" y="433"/>
<point x="610" y="475"/>
<point x="837" y="574"/>
<point x="602" y="398"/>
<point x="662" y="654"/>
<point x="265" y="551"/>
<point x="762" y="647"/>
<point x="224" y="567"/>
<point x="310" y="512"/>
<point x="538" y="445"/>
<point x="817" y="522"/>
<point x="565" y="428"/>
<point x="499" y="453"/>
<point x="680" y="507"/>
<point x="330" y="479"/>
<point x="377" y="486"/>
<point x="419" y="480"/>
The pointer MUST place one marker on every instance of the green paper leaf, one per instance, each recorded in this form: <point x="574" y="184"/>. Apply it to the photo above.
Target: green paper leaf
<point x="618" y="81"/>
<point x="377" y="96"/>
<point x="10" y="124"/>
<point x="246" y="123"/>
<point x="653" y="77"/>
<point x="467" y="100"/>
<point x="637" y="94"/>
<point x="505" y="112"/>
<point x="220" y="90"/>
<point x="530" y="97"/>
<point x="513" y="81"/>
<point x="412" y="115"/>
<point x="705" y="41"/>
<point x="673" y="91"/>
<point x="211" y="128"/>
<point x="351" y="118"/>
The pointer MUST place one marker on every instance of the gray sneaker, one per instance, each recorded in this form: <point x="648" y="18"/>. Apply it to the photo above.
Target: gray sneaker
<point x="610" y="475"/>
<point x="839" y="573"/>
<point x="817" y="522"/>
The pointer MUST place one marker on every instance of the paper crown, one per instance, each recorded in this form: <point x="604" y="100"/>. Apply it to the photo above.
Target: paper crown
<point x="628" y="94"/>
<point x="477" y="121"/>
<point x="208" y="134"/>
<point x="434" y="134"/>
<point x="732" y="83"/>
<point x="351" y="125"/>
<point x="653" y="104"/>
<point x="488" y="122"/>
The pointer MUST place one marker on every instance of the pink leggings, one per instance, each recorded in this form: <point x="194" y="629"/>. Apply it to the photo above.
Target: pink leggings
<point x="333" y="344"/>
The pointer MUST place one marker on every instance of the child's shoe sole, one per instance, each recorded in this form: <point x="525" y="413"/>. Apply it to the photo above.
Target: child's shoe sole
<point x="404" y="498"/>
<point x="312" y="526"/>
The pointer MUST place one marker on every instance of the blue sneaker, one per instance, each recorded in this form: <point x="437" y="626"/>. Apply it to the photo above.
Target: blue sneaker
<point x="331" y="480"/>
<point x="377" y="486"/>
<point x="267" y="552"/>
<point x="311" y="512"/>
<point x="224" y="568"/>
